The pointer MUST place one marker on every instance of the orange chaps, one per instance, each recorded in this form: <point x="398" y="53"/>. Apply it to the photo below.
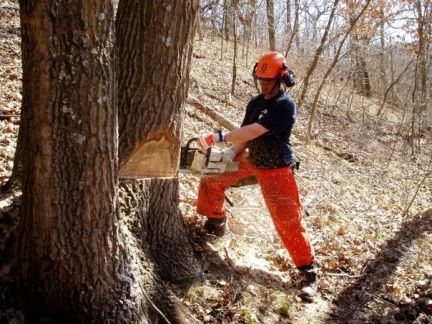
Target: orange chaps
<point x="280" y="193"/>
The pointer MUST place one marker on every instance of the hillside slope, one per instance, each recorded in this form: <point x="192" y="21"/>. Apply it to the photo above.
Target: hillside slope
<point x="355" y="185"/>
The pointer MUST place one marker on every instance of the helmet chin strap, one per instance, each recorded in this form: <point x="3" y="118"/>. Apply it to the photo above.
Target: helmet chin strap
<point x="276" y="85"/>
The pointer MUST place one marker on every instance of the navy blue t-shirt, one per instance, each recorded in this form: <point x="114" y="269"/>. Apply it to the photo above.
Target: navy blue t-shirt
<point x="278" y="115"/>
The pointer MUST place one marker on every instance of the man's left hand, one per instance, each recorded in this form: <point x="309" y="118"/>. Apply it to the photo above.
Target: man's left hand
<point x="229" y="155"/>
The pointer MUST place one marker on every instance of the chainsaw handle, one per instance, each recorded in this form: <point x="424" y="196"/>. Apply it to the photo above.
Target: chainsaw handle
<point x="207" y="154"/>
<point x="193" y="139"/>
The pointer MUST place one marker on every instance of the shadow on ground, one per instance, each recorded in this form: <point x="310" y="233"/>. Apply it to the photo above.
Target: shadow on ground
<point x="222" y="263"/>
<point x="377" y="272"/>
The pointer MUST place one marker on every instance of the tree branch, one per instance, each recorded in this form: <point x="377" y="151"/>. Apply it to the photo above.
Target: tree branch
<point x="212" y="114"/>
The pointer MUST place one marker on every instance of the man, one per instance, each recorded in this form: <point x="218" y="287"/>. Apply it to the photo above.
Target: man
<point x="265" y="131"/>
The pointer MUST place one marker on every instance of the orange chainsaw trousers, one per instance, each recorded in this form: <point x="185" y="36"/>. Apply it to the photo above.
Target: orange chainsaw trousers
<point x="280" y="193"/>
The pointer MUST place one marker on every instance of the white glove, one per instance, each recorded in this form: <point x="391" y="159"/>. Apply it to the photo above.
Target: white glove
<point x="229" y="155"/>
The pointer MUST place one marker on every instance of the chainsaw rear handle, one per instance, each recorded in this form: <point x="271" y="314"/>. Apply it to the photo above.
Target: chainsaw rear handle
<point x="208" y="151"/>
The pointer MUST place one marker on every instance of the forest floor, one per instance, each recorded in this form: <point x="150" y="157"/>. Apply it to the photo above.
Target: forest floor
<point x="367" y="202"/>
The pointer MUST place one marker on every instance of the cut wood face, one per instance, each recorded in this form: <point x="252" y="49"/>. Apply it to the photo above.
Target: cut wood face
<point x="150" y="160"/>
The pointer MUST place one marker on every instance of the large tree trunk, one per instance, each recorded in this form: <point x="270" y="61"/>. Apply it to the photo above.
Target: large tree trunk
<point x="73" y="262"/>
<point x="153" y="77"/>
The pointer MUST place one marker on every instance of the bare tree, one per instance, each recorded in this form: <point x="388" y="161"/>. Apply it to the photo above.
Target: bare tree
<point x="288" y="19"/>
<point x="222" y="30"/>
<point x="227" y="18"/>
<point x="383" y="77"/>
<point x="296" y="25"/>
<point x="317" y="55"/>
<point x="361" y="75"/>
<point x="271" y="25"/>
<point x="246" y="17"/>
<point x="390" y="87"/>
<point x="234" y="66"/>
<point x="315" y="12"/>
<point x="419" y="96"/>
<point x="330" y="69"/>
<point x="294" y="35"/>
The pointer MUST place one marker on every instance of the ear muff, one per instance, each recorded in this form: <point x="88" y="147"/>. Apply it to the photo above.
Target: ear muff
<point x="254" y="71"/>
<point x="255" y="76"/>
<point x="288" y="78"/>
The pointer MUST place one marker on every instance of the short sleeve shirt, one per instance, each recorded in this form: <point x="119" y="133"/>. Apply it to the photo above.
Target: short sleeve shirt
<point x="278" y="115"/>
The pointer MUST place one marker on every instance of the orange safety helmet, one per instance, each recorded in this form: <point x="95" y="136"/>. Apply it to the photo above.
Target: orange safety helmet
<point x="273" y="66"/>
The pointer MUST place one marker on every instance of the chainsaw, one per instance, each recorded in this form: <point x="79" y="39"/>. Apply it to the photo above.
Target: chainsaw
<point x="213" y="161"/>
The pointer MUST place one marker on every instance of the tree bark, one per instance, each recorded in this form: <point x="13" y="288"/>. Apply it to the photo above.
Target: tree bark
<point x="72" y="261"/>
<point x="154" y="42"/>
<point x="152" y="207"/>
<point x="271" y="25"/>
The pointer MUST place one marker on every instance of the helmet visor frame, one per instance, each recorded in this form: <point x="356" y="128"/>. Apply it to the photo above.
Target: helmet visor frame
<point x="266" y="79"/>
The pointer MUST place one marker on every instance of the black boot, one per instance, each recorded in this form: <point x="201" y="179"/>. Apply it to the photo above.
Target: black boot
<point x="216" y="226"/>
<point x="308" y="281"/>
